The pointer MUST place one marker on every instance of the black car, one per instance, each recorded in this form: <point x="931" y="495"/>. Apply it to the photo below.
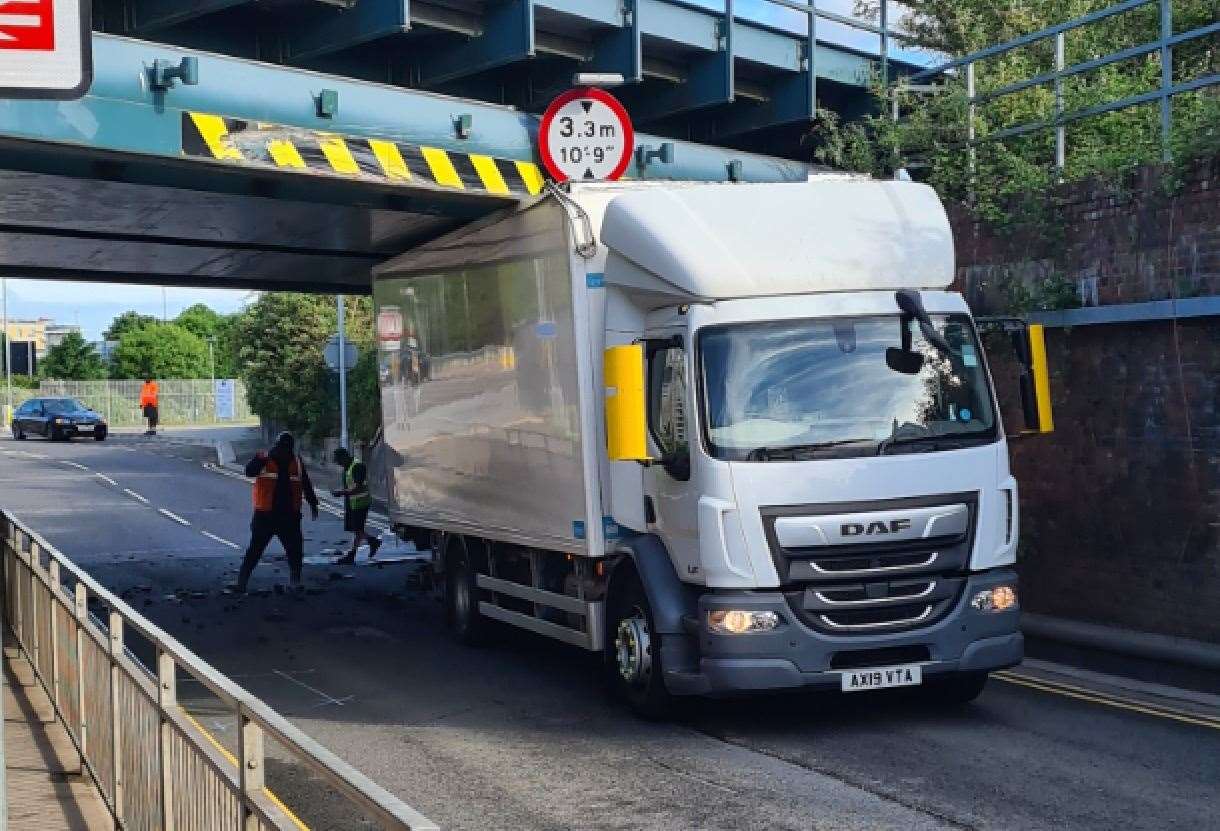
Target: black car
<point x="58" y="419"/>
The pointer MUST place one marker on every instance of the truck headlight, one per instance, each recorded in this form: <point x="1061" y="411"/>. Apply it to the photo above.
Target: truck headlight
<point x="997" y="599"/>
<point x="737" y="622"/>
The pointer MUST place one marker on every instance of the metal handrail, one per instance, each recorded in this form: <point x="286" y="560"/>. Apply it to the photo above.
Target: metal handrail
<point x="1165" y="91"/>
<point x="1032" y="37"/>
<point x="29" y="614"/>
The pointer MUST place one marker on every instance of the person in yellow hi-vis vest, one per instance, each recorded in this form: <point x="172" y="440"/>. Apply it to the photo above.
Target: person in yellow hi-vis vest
<point x="149" y="405"/>
<point x="356" y="502"/>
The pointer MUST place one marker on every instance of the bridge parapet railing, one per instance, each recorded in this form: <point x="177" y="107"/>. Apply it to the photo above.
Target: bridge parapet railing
<point x="963" y="71"/>
<point x="157" y="767"/>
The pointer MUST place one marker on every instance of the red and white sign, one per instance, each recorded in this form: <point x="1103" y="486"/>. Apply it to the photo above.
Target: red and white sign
<point x="389" y="327"/>
<point x="586" y="136"/>
<point x="45" y="48"/>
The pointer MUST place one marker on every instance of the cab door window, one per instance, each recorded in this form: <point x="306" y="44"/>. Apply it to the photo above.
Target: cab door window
<point x="668" y="388"/>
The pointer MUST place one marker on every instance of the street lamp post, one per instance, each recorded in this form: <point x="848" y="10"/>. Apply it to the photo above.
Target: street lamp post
<point x="212" y="362"/>
<point x="342" y="378"/>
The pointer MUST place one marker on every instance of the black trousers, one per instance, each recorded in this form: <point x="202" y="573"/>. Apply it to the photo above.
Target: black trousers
<point x="263" y="528"/>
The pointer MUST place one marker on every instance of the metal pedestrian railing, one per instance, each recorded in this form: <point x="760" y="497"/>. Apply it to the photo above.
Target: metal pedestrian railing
<point x="1163" y="94"/>
<point x="155" y="766"/>
<point x="181" y="400"/>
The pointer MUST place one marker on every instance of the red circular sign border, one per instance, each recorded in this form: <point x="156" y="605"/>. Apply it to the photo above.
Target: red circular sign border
<point x="544" y="148"/>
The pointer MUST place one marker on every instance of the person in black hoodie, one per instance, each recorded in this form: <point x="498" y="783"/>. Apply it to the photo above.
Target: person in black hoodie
<point x="281" y="485"/>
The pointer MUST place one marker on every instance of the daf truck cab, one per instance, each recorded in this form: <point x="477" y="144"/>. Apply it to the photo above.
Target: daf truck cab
<point x="736" y="437"/>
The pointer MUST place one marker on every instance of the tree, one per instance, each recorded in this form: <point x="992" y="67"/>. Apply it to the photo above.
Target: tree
<point x="210" y="325"/>
<point x="199" y="320"/>
<point x="127" y="322"/>
<point x="281" y="339"/>
<point x="160" y="351"/>
<point x="1017" y="172"/>
<point x="73" y="360"/>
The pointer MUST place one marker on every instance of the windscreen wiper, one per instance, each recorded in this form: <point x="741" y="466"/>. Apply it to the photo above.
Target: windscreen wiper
<point x="934" y="443"/>
<point x="794" y="451"/>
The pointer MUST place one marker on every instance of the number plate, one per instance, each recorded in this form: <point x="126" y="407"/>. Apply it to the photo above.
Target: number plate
<point x="879" y="678"/>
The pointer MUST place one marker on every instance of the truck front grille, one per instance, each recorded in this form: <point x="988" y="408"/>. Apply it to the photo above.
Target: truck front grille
<point x="873" y="586"/>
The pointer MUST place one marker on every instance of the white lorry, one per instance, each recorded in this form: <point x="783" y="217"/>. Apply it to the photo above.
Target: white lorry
<point x="736" y="436"/>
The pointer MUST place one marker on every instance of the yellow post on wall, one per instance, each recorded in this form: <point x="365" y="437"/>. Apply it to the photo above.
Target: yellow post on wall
<point x="626" y="414"/>
<point x="1042" y="377"/>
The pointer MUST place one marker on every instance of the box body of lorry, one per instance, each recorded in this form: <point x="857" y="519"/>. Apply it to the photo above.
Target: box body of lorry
<point x="482" y="394"/>
<point x="821" y="494"/>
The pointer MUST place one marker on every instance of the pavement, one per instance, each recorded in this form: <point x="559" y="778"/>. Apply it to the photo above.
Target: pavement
<point x="520" y="735"/>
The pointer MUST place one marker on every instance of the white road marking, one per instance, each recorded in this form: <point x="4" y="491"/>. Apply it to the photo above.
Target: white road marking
<point x="220" y="540"/>
<point x="135" y="495"/>
<point x="329" y="699"/>
<point x="106" y="478"/>
<point x="75" y="465"/>
<point x="173" y="516"/>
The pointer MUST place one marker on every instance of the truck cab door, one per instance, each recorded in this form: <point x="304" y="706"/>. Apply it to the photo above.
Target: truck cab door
<point x="668" y="482"/>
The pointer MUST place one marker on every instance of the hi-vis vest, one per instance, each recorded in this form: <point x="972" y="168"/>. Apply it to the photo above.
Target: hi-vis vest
<point x="264" y="485"/>
<point x="357" y="500"/>
<point x="148" y="394"/>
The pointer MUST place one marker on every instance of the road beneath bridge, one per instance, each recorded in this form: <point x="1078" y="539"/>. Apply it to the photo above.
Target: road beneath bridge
<point x="519" y="735"/>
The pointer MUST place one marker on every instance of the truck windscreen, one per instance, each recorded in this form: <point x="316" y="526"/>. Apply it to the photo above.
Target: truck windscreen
<point x="823" y="388"/>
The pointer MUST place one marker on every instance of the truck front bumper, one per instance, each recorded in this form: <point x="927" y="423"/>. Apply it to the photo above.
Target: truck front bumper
<point x="794" y="655"/>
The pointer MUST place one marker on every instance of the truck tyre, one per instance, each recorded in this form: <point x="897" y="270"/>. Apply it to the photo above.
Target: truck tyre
<point x="633" y="651"/>
<point x="956" y="690"/>
<point x="462" y="596"/>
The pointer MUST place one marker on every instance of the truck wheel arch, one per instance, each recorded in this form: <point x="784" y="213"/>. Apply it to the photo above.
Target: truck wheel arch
<point x="671" y="599"/>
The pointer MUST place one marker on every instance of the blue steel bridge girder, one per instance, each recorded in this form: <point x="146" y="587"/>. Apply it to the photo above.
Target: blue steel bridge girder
<point x="337" y="29"/>
<point x="239" y="181"/>
<point x="507" y="38"/>
<point x="743" y="69"/>
<point x="150" y="15"/>
<point x="710" y="80"/>
<point x="122" y="119"/>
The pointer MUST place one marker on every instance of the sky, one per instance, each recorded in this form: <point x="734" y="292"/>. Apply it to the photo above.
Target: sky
<point x="94" y="305"/>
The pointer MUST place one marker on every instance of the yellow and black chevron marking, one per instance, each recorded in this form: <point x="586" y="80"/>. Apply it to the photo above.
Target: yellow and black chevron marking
<point x="296" y="149"/>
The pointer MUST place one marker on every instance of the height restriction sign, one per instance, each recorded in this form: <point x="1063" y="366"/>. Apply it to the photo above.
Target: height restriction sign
<point x="45" y="48"/>
<point x="585" y="135"/>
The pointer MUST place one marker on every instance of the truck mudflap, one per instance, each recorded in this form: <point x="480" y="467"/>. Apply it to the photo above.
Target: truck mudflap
<point x="793" y="655"/>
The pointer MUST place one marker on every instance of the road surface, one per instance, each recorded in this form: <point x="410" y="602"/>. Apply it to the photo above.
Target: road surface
<point x="520" y="735"/>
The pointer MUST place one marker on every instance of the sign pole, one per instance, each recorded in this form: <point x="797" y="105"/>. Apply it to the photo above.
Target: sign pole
<point x="342" y="379"/>
<point x="212" y="363"/>
<point x="8" y="349"/>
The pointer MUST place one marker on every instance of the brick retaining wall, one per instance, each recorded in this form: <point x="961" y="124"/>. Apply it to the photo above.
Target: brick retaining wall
<point x="1121" y="506"/>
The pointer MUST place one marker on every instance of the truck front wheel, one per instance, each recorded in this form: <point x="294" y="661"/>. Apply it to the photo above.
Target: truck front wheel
<point x="462" y="595"/>
<point x="633" y="654"/>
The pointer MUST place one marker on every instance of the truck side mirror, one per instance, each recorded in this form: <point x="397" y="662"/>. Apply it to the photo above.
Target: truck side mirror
<point x="626" y="413"/>
<point x="904" y="361"/>
<point x="1029" y="348"/>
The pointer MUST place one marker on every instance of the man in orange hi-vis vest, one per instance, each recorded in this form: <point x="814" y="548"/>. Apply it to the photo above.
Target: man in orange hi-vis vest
<point x="281" y="485"/>
<point x="148" y="403"/>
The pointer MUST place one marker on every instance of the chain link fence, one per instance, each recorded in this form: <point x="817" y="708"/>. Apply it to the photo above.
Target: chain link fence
<point x="182" y="401"/>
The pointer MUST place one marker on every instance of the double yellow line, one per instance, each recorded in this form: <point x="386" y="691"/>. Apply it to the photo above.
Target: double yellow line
<point x="1106" y="700"/>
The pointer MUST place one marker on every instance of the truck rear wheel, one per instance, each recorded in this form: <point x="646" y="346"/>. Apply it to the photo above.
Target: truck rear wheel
<point x="462" y="596"/>
<point x="633" y="654"/>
